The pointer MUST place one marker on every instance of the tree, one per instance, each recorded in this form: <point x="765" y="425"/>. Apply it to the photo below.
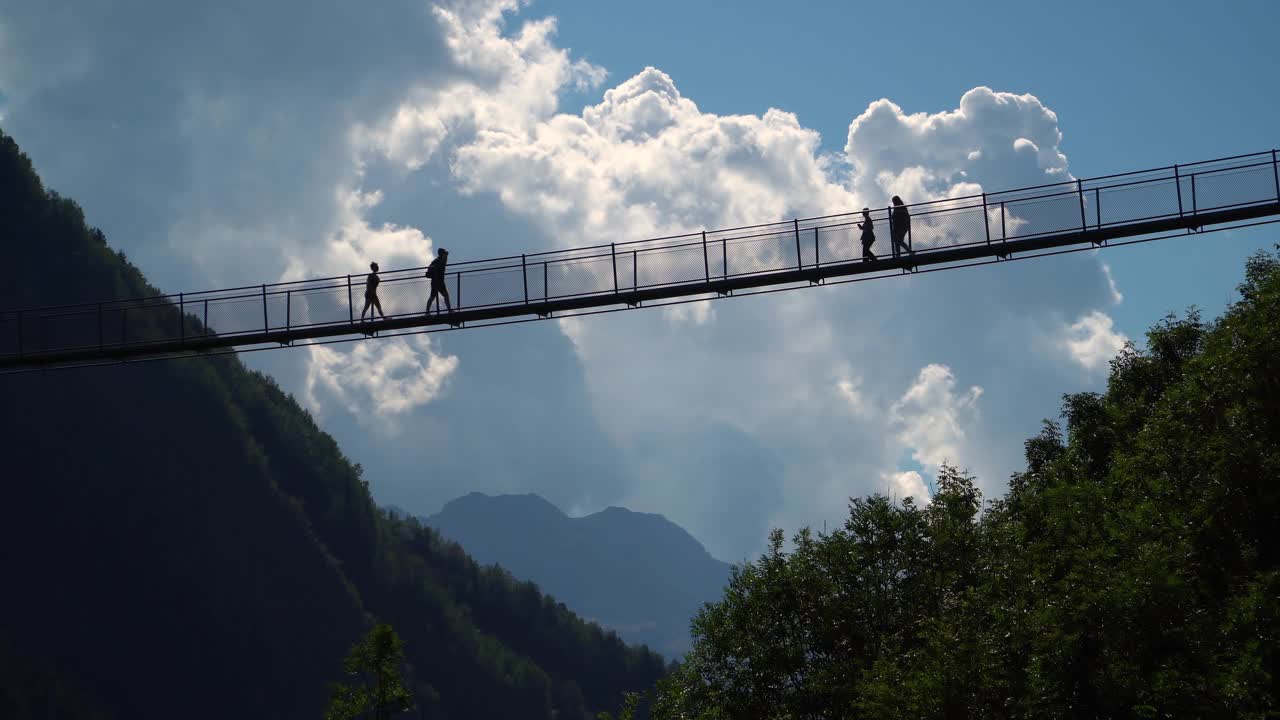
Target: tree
<point x="1131" y="570"/>
<point x="375" y="662"/>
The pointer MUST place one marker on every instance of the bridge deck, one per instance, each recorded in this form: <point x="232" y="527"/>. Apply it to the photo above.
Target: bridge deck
<point x="813" y="250"/>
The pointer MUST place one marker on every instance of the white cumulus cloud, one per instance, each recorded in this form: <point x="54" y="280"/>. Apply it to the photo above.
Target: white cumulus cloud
<point x="646" y="161"/>
<point x="931" y="417"/>
<point x="506" y="83"/>
<point x="907" y="484"/>
<point x="1092" y="341"/>
<point x="994" y="140"/>
<point x="378" y="380"/>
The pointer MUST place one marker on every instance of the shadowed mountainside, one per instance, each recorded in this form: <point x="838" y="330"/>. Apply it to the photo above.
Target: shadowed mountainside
<point x="180" y="539"/>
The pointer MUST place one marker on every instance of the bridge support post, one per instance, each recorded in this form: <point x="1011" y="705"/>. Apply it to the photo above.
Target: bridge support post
<point x="206" y="317"/>
<point x="266" y="327"/>
<point x="1084" y="224"/>
<point x="1275" y="173"/>
<point x="706" y="261"/>
<point x="613" y="256"/>
<point x="351" y="304"/>
<point x="817" y="257"/>
<point x="524" y="275"/>
<point x="799" y="257"/>
<point x="288" y="309"/>
<point x="1177" y="182"/>
<point x="986" y="219"/>
<point x="1004" y="234"/>
<point x="1097" y="205"/>
<point x="182" y="319"/>
<point x="724" y="253"/>
<point x="635" y="279"/>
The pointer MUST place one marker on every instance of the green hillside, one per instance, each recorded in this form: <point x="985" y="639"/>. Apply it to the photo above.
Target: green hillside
<point x="181" y="540"/>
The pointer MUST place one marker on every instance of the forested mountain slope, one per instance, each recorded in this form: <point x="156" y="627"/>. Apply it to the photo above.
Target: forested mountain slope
<point x="179" y="539"/>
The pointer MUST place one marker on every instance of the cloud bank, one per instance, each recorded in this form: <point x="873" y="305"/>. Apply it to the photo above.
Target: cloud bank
<point x="264" y="147"/>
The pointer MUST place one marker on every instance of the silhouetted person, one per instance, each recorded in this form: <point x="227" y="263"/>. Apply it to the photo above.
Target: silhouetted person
<point x="371" y="293"/>
<point x="900" y="223"/>
<point x="435" y="271"/>
<point x="868" y="235"/>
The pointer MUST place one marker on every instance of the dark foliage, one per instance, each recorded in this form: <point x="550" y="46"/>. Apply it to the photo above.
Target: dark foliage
<point x="1130" y="571"/>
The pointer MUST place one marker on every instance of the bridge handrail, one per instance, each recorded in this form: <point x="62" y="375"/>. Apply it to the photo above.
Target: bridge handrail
<point x="1081" y="187"/>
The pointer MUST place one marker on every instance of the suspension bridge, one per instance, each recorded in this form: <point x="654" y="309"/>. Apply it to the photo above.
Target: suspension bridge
<point x="992" y="227"/>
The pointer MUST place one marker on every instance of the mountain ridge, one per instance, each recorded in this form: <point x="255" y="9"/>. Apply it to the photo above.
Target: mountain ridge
<point x="638" y="573"/>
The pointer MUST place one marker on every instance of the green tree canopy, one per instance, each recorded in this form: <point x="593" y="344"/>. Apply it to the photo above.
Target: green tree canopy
<point x="377" y="690"/>
<point x="1129" y="571"/>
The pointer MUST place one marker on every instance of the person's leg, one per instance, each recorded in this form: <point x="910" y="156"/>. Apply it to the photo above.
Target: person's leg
<point x="447" y="302"/>
<point x="430" y="299"/>
<point x="377" y="304"/>
<point x="365" y="309"/>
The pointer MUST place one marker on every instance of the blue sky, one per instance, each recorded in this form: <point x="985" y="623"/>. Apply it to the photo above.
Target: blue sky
<point x="304" y="138"/>
<point x="1135" y="84"/>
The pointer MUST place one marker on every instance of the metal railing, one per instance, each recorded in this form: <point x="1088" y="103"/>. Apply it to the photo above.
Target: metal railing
<point x="996" y="223"/>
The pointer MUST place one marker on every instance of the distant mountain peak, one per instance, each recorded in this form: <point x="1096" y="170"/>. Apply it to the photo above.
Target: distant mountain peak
<point x="528" y="502"/>
<point x="639" y="573"/>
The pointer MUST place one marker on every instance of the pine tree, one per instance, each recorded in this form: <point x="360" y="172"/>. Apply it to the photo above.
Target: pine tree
<point x="379" y="692"/>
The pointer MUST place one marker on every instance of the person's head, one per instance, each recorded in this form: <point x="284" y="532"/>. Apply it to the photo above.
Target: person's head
<point x="443" y="253"/>
<point x="897" y="200"/>
<point x="373" y="266"/>
<point x="866" y="212"/>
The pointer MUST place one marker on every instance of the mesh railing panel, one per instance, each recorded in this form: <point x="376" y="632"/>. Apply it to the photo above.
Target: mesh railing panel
<point x="580" y="276"/>
<point x="1038" y="216"/>
<point x="1235" y="187"/>
<point x="1127" y="203"/>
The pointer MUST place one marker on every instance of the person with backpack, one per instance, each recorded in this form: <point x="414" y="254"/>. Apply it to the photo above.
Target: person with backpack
<point x="435" y="271"/>
<point x="900" y="226"/>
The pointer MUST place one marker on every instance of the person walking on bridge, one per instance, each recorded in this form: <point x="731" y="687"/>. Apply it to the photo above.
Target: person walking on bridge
<point x="899" y="226"/>
<point x="371" y="294"/>
<point x="435" y="271"/>
<point x="868" y="234"/>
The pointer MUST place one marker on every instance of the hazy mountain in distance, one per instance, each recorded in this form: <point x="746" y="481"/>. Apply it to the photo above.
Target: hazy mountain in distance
<point x="637" y="573"/>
